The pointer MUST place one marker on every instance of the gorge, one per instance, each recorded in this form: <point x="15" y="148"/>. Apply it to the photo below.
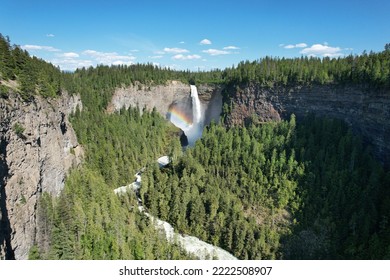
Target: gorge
<point x="365" y="109"/>
<point x="261" y="183"/>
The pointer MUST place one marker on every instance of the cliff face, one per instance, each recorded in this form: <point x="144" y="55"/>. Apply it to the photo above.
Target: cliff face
<point x="148" y="97"/>
<point x="163" y="96"/>
<point x="366" y="110"/>
<point x="37" y="148"/>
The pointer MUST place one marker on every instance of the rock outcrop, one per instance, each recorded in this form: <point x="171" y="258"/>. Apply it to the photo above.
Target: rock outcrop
<point x="366" y="110"/>
<point x="162" y="97"/>
<point x="37" y="148"/>
<point x="148" y="97"/>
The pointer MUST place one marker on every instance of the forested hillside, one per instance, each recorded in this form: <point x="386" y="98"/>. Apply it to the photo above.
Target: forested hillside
<point x="372" y="69"/>
<point x="278" y="190"/>
<point x="296" y="189"/>
<point x="26" y="75"/>
<point x="88" y="221"/>
<point x="367" y="69"/>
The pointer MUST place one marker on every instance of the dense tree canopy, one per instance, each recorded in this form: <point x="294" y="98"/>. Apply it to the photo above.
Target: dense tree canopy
<point x="88" y="221"/>
<point x="370" y="69"/>
<point x="33" y="75"/>
<point x="306" y="189"/>
<point x="278" y="190"/>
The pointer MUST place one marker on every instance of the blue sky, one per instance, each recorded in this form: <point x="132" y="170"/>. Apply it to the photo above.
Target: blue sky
<point x="194" y="35"/>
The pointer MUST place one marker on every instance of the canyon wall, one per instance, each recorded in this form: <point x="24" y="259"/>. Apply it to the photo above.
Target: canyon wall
<point x="38" y="145"/>
<point x="163" y="96"/>
<point x="37" y="148"/>
<point x="365" y="109"/>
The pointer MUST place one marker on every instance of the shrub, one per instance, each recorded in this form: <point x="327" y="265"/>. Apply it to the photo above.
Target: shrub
<point x="19" y="129"/>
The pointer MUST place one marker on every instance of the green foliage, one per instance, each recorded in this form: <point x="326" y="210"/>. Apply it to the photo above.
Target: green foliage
<point x="33" y="254"/>
<point x="342" y="189"/>
<point x="23" y="199"/>
<point x="300" y="190"/>
<point x="4" y="91"/>
<point x="235" y="189"/>
<point x="88" y="221"/>
<point x="19" y="129"/>
<point x="34" y="76"/>
<point x="119" y="144"/>
<point x="370" y="69"/>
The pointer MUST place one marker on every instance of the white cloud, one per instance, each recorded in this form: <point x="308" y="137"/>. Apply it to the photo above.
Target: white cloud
<point x="134" y="51"/>
<point x="50" y="35"/>
<point x="215" y="52"/>
<point x="122" y="62"/>
<point x="91" y="52"/>
<point x="182" y="42"/>
<point x="39" y="48"/>
<point x="175" y="50"/>
<point x="231" y="48"/>
<point x="156" y="56"/>
<point x="110" y="57"/>
<point x="300" y="45"/>
<point x="205" y="42"/>
<point x="185" y="57"/>
<point x="71" y="64"/>
<point x="159" y="52"/>
<point x="322" y="50"/>
<point x="69" y="55"/>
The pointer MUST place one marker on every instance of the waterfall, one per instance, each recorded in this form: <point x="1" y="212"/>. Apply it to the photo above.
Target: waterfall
<point x="196" y="108"/>
<point x="190" y="122"/>
<point x="194" y="131"/>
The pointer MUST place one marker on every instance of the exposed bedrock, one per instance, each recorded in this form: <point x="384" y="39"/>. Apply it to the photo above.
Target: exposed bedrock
<point x="37" y="148"/>
<point x="162" y="97"/>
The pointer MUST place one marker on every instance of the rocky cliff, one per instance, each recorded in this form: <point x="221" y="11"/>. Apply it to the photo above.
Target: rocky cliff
<point x="37" y="148"/>
<point x="163" y="96"/>
<point x="365" y="109"/>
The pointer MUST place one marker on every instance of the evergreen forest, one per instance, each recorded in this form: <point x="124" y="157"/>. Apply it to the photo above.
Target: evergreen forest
<point x="296" y="189"/>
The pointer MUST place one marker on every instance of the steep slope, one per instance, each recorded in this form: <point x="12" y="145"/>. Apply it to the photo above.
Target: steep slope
<point x="38" y="147"/>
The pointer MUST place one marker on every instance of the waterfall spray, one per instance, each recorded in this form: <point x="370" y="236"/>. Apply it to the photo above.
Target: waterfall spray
<point x="179" y="117"/>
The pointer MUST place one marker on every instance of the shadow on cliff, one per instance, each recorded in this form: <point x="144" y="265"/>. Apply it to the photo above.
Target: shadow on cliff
<point x="5" y="228"/>
<point x="213" y="109"/>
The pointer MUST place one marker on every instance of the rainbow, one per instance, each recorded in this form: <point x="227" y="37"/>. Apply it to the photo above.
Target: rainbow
<point x="180" y="117"/>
